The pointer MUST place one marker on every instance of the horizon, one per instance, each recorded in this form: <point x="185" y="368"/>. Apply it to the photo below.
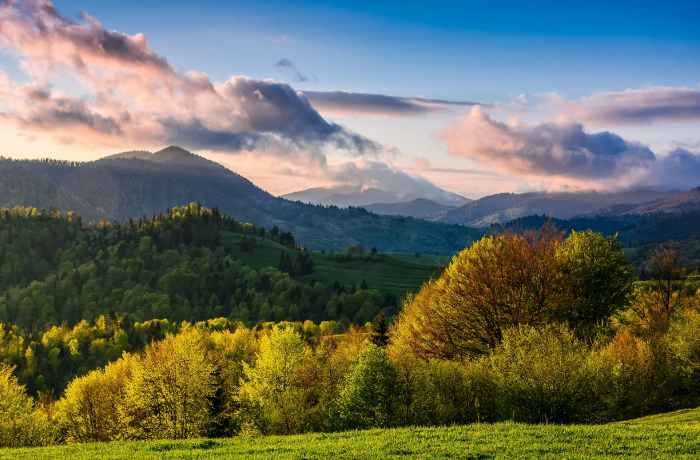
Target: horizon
<point x="498" y="100"/>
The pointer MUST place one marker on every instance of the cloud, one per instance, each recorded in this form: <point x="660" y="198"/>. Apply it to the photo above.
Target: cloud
<point x="568" y="156"/>
<point x="637" y="106"/>
<point x="678" y="169"/>
<point x="135" y="95"/>
<point x="344" y="103"/>
<point x="365" y="174"/>
<point x="288" y="65"/>
<point x="547" y="149"/>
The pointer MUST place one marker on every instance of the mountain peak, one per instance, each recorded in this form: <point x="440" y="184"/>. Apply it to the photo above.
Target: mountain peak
<point x="174" y="152"/>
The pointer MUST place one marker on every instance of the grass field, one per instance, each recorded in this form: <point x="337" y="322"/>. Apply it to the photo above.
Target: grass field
<point x="397" y="274"/>
<point x="672" y="435"/>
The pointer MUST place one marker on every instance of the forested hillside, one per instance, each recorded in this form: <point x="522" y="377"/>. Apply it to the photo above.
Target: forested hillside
<point x="137" y="184"/>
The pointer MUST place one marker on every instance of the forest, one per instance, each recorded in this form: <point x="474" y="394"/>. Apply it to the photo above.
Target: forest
<point x="154" y="329"/>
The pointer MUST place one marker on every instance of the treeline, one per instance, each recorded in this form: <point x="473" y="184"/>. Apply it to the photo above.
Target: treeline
<point x="54" y="269"/>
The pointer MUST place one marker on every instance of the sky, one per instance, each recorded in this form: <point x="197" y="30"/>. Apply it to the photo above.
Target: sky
<point x="472" y="97"/>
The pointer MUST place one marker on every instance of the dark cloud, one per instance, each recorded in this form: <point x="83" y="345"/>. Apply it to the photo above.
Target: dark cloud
<point x="679" y="169"/>
<point x="377" y="104"/>
<point x="289" y="66"/>
<point x="47" y="111"/>
<point x="640" y="106"/>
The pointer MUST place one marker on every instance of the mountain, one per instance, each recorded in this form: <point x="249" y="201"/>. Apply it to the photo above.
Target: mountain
<point x="419" y="208"/>
<point x="350" y="195"/>
<point x="136" y="184"/>
<point x="505" y="207"/>
<point x="682" y="202"/>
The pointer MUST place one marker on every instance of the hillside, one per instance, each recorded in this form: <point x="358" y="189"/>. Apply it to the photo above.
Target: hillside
<point x="418" y="208"/>
<point x="672" y="435"/>
<point x="504" y="207"/>
<point x="136" y="184"/>
<point x="351" y="195"/>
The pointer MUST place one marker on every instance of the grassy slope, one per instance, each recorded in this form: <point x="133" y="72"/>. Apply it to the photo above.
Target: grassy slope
<point x="672" y="435"/>
<point x="392" y="273"/>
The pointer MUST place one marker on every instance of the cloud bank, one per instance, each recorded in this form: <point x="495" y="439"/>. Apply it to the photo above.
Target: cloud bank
<point x="638" y="106"/>
<point x="566" y="154"/>
<point x="345" y="103"/>
<point x="134" y="94"/>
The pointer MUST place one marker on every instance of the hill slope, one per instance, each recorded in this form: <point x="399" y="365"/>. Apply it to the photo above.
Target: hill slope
<point x="134" y="184"/>
<point x="419" y="208"/>
<point x="505" y="207"/>
<point x="673" y="435"/>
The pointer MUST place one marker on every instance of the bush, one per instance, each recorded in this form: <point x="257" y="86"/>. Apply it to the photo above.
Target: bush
<point x="88" y="410"/>
<point x="439" y="392"/>
<point x="170" y="390"/>
<point x="541" y="376"/>
<point x="628" y="377"/>
<point x="683" y="342"/>
<point x="368" y="396"/>
<point x="21" y="424"/>
<point x="274" y="399"/>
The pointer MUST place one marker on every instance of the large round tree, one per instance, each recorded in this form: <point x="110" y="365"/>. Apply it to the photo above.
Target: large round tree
<point x="511" y="279"/>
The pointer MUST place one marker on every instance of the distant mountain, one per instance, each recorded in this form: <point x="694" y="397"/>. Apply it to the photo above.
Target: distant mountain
<point x="349" y="195"/>
<point x="682" y="202"/>
<point x="136" y="184"/>
<point x="419" y="208"/>
<point x="505" y="207"/>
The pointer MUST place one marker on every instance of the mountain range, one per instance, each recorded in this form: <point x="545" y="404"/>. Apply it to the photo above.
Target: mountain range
<point x="352" y="195"/>
<point x="139" y="183"/>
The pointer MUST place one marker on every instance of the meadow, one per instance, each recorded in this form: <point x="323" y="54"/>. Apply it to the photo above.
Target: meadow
<point x="669" y="435"/>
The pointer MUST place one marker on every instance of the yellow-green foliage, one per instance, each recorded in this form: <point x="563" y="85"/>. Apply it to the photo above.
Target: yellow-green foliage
<point x="21" y="424"/>
<point x="272" y="388"/>
<point x="168" y="393"/>
<point x="89" y="408"/>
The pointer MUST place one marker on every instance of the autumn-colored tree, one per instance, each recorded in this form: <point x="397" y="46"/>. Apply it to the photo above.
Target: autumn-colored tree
<point x="498" y="282"/>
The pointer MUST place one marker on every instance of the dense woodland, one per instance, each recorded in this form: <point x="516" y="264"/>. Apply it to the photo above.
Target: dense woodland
<point x="536" y="326"/>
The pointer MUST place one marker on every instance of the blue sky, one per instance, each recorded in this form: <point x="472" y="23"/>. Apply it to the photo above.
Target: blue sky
<point x="469" y="50"/>
<point x="528" y="62"/>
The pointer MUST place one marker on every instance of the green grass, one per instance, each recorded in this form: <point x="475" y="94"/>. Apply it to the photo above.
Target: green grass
<point x="672" y="435"/>
<point x="396" y="274"/>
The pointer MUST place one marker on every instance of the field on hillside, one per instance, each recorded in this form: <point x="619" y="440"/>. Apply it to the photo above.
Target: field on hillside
<point x="396" y="274"/>
<point x="672" y="435"/>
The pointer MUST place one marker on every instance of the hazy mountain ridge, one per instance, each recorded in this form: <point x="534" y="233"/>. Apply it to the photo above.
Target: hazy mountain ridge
<point x="419" y="208"/>
<point x="134" y="184"/>
<point x="504" y="207"/>
<point x="351" y="195"/>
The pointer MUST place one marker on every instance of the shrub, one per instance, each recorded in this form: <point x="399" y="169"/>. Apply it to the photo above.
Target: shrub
<point x="683" y="342"/>
<point x="599" y="279"/>
<point x="540" y="376"/>
<point x="272" y="393"/>
<point x="88" y="410"/>
<point x="368" y="396"/>
<point x="170" y="389"/>
<point x="21" y="424"/>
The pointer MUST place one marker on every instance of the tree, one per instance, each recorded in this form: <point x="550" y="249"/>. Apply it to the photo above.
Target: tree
<point x="499" y="282"/>
<point x="21" y="424"/>
<point x="87" y="410"/>
<point x="170" y="390"/>
<point x="368" y="396"/>
<point x="272" y="388"/>
<point x="599" y="279"/>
